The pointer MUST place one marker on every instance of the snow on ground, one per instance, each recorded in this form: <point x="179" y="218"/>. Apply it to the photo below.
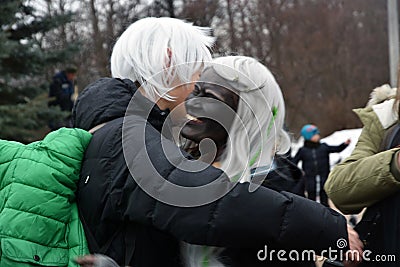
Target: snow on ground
<point x="334" y="139"/>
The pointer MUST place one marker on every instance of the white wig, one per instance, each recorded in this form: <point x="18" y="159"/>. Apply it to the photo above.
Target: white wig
<point x="257" y="130"/>
<point x="255" y="135"/>
<point x="157" y="52"/>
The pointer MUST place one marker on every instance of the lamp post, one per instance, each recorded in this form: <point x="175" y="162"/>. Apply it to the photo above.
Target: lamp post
<point x="393" y="33"/>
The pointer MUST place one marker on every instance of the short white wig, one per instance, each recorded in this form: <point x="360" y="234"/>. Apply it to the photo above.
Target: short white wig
<point x="257" y="131"/>
<point x="159" y="52"/>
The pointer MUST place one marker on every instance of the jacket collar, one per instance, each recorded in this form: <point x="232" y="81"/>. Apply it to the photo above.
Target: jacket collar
<point x="141" y="106"/>
<point x="385" y="113"/>
<point x="381" y="104"/>
<point x="311" y="144"/>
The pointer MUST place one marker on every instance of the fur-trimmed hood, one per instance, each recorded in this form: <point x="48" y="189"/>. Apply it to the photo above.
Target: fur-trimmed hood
<point x="380" y="94"/>
<point x="382" y="103"/>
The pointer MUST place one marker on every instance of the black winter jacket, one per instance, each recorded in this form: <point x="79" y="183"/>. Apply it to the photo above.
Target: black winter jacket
<point x="315" y="158"/>
<point x="283" y="176"/>
<point x="114" y="207"/>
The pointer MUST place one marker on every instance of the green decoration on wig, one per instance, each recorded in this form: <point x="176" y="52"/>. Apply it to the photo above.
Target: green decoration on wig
<point x="271" y="123"/>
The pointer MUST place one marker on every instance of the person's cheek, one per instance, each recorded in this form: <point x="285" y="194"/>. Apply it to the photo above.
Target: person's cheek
<point x="185" y="93"/>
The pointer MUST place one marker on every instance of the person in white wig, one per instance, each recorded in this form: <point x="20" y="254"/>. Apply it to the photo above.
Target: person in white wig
<point x="242" y="111"/>
<point x="239" y="106"/>
<point x="140" y="196"/>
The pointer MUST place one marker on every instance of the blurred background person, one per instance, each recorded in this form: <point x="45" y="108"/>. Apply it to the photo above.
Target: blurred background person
<point x="62" y="93"/>
<point x="314" y="156"/>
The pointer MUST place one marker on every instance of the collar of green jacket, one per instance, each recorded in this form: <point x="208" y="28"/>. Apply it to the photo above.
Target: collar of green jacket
<point x="385" y="112"/>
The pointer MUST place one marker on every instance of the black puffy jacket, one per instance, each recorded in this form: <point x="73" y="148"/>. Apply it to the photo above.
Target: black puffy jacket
<point x="283" y="176"/>
<point x="120" y="214"/>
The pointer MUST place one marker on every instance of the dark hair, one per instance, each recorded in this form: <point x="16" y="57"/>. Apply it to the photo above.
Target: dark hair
<point x="71" y="69"/>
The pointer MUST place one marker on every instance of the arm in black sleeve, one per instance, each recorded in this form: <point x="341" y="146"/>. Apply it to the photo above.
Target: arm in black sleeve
<point x="336" y="149"/>
<point x="238" y="218"/>
<point x="241" y="218"/>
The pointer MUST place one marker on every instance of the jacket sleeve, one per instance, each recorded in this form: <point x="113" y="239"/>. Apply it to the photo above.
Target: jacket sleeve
<point x="68" y="142"/>
<point x="238" y="218"/>
<point x="336" y="149"/>
<point x="364" y="178"/>
<point x="65" y="148"/>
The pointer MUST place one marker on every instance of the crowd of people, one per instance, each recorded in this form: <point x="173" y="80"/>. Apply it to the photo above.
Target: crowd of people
<point x="180" y="159"/>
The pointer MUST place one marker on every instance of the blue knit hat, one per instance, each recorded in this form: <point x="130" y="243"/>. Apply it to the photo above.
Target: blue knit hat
<point x="308" y="131"/>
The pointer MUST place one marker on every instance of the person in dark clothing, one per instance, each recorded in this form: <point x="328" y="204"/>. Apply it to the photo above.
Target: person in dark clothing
<point x="226" y="109"/>
<point x="126" y="196"/>
<point x="283" y="176"/>
<point x="61" y="90"/>
<point x="314" y="156"/>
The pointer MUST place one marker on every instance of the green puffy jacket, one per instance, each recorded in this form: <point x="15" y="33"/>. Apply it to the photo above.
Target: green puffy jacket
<point x="367" y="175"/>
<point x="39" y="223"/>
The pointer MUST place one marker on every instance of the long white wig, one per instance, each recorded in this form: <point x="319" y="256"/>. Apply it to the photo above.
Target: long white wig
<point x="256" y="133"/>
<point x="158" y="52"/>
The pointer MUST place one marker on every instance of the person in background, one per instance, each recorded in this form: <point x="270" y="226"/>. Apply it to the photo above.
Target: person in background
<point x="61" y="90"/>
<point x="314" y="156"/>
